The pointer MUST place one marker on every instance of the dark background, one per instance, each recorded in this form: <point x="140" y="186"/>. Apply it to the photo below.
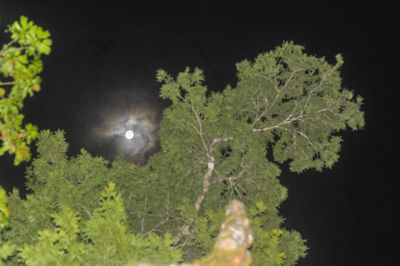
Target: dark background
<point x="105" y="52"/>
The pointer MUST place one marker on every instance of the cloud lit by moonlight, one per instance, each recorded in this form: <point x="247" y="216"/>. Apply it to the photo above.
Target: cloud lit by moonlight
<point x="121" y="122"/>
<point x="131" y="133"/>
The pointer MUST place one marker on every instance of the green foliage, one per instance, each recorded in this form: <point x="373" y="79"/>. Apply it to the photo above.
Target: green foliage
<point x="208" y="228"/>
<point x="6" y="251"/>
<point x="286" y="103"/>
<point x="103" y="240"/>
<point x="273" y="246"/>
<point x="299" y="98"/>
<point x="55" y="182"/>
<point x="58" y="246"/>
<point x="20" y="66"/>
<point x="287" y="106"/>
<point x="4" y="211"/>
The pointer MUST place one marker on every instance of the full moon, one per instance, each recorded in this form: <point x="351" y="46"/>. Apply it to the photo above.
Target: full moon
<point x="129" y="134"/>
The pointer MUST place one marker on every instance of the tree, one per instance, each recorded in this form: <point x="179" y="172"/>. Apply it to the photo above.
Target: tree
<point x="215" y="147"/>
<point x="287" y="106"/>
<point x="20" y="66"/>
<point x="101" y="239"/>
<point x="106" y="240"/>
<point x="4" y="211"/>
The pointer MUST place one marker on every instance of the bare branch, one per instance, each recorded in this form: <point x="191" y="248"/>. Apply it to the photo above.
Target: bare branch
<point x="155" y="228"/>
<point x="2" y="51"/>
<point x="88" y="175"/>
<point x="7" y="83"/>
<point x="279" y="92"/>
<point x="143" y="217"/>
<point x="184" y="230"/>
<point x="192" y="126"/>
<point x="282" y="88"/>
<point x="200" y="129"/>
<point x="87" y="211"/>
<point x="288" y="120"/>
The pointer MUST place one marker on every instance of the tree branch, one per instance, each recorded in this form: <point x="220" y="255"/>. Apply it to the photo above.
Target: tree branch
<point x="279" y="92"/>
<point x="288" y="120"/>
<point x="2" y="51"/>
<point x="200" y="130"/>
<point x="7" y="83"/>
<point x="233" y="241"/>
<point x="87" y="211"/>
<point x="184" y="230"/>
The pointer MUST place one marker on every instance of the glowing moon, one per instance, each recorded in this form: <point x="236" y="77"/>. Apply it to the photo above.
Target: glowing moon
<point x="129" y="134"/>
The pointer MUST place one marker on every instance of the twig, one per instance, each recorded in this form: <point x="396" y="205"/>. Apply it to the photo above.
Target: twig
<point x="7" y="83"/>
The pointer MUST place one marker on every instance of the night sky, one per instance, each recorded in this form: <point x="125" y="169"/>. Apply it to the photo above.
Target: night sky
<point x="99" y="81"/>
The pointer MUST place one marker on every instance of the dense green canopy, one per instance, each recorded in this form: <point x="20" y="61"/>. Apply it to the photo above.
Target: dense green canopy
<point x="215" y="147"/>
